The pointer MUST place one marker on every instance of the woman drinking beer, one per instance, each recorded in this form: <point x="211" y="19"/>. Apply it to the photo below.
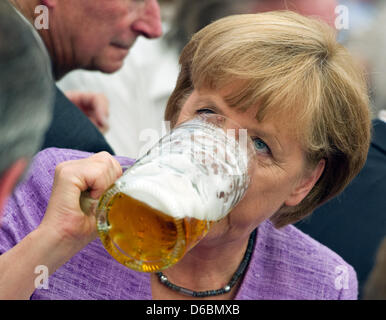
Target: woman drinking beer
<point x="304" y="103"/>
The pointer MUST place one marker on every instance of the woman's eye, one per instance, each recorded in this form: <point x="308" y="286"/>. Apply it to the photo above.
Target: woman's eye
<point x="261" y="146"/>
<point x="205" y="110"/>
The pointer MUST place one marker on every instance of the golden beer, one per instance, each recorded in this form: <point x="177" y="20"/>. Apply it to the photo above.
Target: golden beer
<point x="143" y="238"/>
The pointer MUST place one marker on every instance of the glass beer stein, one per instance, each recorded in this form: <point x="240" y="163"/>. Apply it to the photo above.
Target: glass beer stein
<point x="166" y="202"/>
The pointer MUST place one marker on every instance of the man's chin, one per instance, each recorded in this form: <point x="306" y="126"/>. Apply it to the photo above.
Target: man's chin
<point x="111" y="67"/>
<point x="110" y="60"/>
<point x="107" y="66"/>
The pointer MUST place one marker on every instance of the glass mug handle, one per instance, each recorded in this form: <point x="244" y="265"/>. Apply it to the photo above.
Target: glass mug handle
<point x="87" y="204"/>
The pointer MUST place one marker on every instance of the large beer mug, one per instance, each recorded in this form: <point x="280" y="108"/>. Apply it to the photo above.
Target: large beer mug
<point x="166" y="202"/>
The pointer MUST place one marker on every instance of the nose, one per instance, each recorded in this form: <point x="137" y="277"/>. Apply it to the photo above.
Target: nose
<point x="149" y="22"/>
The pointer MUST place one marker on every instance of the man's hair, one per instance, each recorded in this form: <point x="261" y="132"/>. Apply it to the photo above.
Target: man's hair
<point x="293" y="68"/>
<point x="26" y="88"/>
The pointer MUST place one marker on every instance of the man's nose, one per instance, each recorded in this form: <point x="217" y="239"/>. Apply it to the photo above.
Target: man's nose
<point x="149" y="22"/>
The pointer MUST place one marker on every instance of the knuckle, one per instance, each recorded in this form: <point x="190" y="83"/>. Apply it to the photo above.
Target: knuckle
<point x="65" y="171"/>
<point x="107" y="165"/>
<point x="62" y="169"/>
<point x="109" y="162"/>
<point x="103" y="156"/>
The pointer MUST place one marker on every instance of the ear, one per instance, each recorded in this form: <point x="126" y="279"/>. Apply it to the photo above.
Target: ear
<point x="49" y="3"/>
<point x="9" y="179"/>
<point x="306" y="184"/>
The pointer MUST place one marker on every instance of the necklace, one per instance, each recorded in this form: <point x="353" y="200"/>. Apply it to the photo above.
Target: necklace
<point x="236" y="276"/>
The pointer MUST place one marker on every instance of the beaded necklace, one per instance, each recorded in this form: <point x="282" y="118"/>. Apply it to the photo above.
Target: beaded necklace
<point x="236" y="276"/>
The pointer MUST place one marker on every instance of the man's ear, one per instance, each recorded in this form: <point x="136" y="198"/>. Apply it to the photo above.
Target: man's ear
<point x="306" y="184"/>
<point x="49" y="3"/>
<point x="9" y="179"/>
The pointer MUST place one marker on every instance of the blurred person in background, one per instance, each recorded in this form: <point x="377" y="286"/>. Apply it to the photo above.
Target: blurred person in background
<point x="130" y="92"/>
<point x="368" y="42"/>
<point x="94" y="35"/>
<point x="319" y="9"/>
<point x="26" y="98"/>
<point x="361" y="14"/>
<point x="190" y="17"/>
<point x="354" y="223"/>
<point x="375" y="288"/>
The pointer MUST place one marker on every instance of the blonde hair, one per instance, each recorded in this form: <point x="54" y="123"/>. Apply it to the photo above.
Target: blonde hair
<point x="294" y="69"/>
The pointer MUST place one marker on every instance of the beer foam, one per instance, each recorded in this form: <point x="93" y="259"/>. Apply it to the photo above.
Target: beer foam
<point x="181" y="184"/>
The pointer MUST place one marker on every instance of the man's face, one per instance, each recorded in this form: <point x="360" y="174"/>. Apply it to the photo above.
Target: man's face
<point x="101" y="32"/>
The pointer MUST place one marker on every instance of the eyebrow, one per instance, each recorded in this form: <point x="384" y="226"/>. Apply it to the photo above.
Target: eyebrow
<point x="211" y="103"/>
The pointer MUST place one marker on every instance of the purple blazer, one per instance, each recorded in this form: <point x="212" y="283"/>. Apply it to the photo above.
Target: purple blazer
<point x="286" y="263"/>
